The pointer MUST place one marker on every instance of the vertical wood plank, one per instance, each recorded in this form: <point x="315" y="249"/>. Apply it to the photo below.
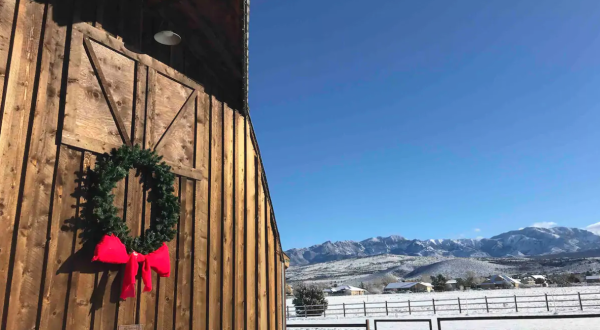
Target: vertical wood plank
<point x="73" y="89"/>
<point x="261" y="262"/>
<point x="7" y="12"/>
<point x="240" y="223"/>
<point x="108" y="281"/>
<point x="147" y="312"/>
<point x="86" y="11"/>
<point x="82" y="283"/>
<point x="272" y="287"/>
<point x="147" y="301"/>
<point x="227" y="284"/>
<point x="37" y="200"/>
<point x="202" y="162"/>
<point x="108" y="17"/>
<point x="280" y="288"/>
<point x="135" y="192"/>
<point x="28" y="249"/>
<point x="166" y="298"/>
<point x="130" y="23"/>
<point x="215" y="278"/>
<point x="284" y="301"/>
<point x="141" y="81"/>
<point x="251" y="200"/>
<point x="149" y="139"/>
<point x="184" y="256"/>
<point x="63" y="237"/>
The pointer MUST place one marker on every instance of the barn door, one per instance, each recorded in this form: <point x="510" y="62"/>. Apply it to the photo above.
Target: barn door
<point x="116" y="97"/>
<point x="112" y="100"/>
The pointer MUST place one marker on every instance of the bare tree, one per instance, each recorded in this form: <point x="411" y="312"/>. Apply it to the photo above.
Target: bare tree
<point x="387" y="279"/>
<point x="426" y="278"/>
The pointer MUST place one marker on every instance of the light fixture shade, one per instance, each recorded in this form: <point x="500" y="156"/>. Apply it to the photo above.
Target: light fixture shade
<point x="168" y="38"/>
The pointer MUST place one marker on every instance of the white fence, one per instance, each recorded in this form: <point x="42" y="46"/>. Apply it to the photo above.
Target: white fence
<point x="546" y="302"/>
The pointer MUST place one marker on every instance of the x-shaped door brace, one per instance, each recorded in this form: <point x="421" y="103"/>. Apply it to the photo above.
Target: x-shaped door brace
<point x="112" y="105"/>
<point x="167" y="132"/>
<point x="102" y="147"/>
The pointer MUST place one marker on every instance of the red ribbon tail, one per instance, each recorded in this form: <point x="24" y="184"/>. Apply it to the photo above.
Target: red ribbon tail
<point x="147" y="275"/>
<point x="131" y="270"/>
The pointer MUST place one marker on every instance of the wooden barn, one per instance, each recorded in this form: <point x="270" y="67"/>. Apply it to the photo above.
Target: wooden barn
<point x="80" y="78"/>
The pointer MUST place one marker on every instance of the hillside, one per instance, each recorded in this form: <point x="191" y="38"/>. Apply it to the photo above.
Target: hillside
<point x="454" y="268"/>
<point x="372" y="269"/>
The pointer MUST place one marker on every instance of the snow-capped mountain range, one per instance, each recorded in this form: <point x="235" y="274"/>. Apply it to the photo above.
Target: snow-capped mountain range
<point x="530" y="241"/>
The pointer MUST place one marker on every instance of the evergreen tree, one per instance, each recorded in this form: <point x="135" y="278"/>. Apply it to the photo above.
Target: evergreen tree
<point x="438" y="282"/>
<point x="309" y="300"/>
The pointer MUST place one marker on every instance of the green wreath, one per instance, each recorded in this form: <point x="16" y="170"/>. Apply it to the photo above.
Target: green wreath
<point x="157" y="178"/>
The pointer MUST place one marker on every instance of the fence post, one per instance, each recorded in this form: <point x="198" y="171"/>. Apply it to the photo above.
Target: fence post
<point x="365" y="307"/>
<point x="344" y="306"/>
<point x="433" y="304"/>
<point x="580" y="304"/>
<point x="409" y="312"/>
<point x="367" y="324"/>
<point x="459" y="308"/>
<point x="487" y="307"/>
<point x="305" y="312"/>
<point x="547" y="305"/>
<point x="288" y="311"/>
<point x="324" y="313"/>
<point x="516" y="306"/>
<point x="386" y="309"/>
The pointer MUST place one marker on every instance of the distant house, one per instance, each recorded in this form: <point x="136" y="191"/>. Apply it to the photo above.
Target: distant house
<point x="534" y="279"/>
<point x="408" y="286"/>
<point x="592" y="279"/>
<point x="452" y="285"/>
<point x="500" y="282"/>
<point x="345" y="290"/>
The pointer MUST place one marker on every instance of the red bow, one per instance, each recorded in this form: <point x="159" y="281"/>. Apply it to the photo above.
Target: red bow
<point x="111" y="250"/>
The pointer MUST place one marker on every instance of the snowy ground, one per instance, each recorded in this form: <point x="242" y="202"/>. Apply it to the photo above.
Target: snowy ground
<point x="561" y="301"/>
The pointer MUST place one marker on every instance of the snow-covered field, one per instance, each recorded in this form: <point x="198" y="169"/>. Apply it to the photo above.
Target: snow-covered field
<point x="501" y="302"/>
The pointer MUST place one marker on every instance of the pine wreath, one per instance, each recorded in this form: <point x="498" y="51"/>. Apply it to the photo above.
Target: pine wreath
<point x="158" y="180"/>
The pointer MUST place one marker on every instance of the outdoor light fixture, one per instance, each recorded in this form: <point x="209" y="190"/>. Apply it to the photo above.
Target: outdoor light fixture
<point x="167" y="37"/>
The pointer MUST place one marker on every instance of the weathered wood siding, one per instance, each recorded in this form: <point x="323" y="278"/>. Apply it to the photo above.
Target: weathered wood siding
<point x="78" y="78"/>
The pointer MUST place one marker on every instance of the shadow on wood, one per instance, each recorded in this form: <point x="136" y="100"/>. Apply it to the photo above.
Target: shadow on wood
<point x="200" y="56"/>
<point x="85" y="236"/>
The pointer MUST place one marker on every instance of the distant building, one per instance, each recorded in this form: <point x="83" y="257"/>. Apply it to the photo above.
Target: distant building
<point x="500" y="282"/>
<point x="534" y="279"/>
<point x="452" y="285"/>
<point x="592" y="279"/>
<point x="408" y="286"/>
<point x="345" y="290"/>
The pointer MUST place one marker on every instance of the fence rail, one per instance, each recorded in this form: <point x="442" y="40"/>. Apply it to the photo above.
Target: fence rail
<point x="441" y="321"/>
<point x="428" y="321"/>
<point x="459" y="305"/>
<point x="334" y="325"/>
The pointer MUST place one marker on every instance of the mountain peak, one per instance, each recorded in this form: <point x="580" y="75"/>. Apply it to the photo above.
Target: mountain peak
<point x="529" y="241"/>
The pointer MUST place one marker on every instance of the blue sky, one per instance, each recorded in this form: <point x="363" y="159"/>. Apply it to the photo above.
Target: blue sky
<point x="426" y="119"/>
